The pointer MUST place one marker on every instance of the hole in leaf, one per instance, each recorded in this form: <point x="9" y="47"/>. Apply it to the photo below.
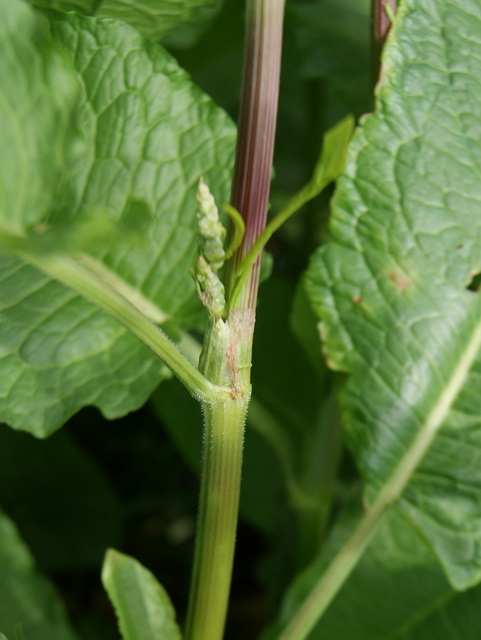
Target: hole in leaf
<point x="475" y="283"/>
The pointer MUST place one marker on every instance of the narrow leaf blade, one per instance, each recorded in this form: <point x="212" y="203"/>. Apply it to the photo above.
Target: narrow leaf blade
<point x="143" y="608"/>
<point x="28" y="601"/>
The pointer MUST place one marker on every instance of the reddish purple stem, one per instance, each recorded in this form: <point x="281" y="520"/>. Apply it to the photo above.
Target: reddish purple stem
<point x="256" y="132"/>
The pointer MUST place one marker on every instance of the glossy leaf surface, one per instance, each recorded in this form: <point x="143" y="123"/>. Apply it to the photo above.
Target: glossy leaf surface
<point x="38" y="94"/>
<point x="148" y="136"/>
<point x="390" y="289"/>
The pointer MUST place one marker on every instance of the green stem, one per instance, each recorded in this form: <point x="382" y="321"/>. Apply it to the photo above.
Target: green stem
<point x="332" y="580"/>
<point x="320" y="466"/>
<point x="217" y="520"/>
<point x="80" y="279"/>
<point x="267" y="426"/>
<point x="227" y="351"/>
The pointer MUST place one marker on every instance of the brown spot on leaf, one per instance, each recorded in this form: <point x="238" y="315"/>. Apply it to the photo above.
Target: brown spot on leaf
<point x="401" y="282"/>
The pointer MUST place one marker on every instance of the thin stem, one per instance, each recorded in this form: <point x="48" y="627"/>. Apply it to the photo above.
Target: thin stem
<point x="329" y="166"/>
<point x="332" y="580"/>
<point x="219" y="505"/>
<point x="80" y="279"/>
<point x="227" y="350"/>
<point x="257" y="123"/>
<point x="320" y="466"/>
<point x="267" y="426"/>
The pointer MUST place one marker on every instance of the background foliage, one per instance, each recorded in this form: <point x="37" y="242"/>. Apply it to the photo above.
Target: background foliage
<point x="131" y="483"/>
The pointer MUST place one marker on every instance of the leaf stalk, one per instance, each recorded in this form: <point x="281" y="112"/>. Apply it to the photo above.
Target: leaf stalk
<point x="76" y="276"/>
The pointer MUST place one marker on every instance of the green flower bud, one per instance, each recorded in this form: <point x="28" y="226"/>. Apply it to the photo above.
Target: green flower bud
<point x="209" y="286"/>
<point x="210" y="230"/>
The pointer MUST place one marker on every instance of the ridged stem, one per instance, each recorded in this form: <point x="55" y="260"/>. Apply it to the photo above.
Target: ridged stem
<point x="217" y="519"/>
<point x="256" y="131"/>
<point x="227" y="349"/>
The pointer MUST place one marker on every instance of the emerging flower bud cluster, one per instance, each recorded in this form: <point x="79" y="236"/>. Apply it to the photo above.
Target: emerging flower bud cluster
<point x="211" y="253"/>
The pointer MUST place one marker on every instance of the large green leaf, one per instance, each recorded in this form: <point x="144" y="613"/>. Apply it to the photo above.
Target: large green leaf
<point x="152" y="19"/>
<point x="390" y="289"/>
<point x="143" y="608"/>
<point x="149" y="135"/>
<point x="397" y="592"/>
<point x="38" y="94"/>
<point x="27" y="600"/>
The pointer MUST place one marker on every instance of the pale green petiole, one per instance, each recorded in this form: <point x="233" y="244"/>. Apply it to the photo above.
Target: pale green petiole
<point x="76" y="276"/>
<point x="336" y="574"/>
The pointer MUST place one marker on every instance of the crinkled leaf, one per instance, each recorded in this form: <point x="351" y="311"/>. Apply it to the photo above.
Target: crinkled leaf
<point x="398" y="591"/>
<point x="149" y="134"/>
<point x="390" y="289"/>
<point x="27" y="600"/>
<point x="38" y="94"/>
<point x="143" y="608"/>
<point x="152" y="19"/>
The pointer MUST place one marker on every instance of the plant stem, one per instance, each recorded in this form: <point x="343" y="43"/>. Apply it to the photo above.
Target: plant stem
<point x="217" y="519"/>
<point x="255" y="147"/>
<point x="77" y="277"/>
<point x="227" y="351"/>
<point x="320" y="466"/>
<point x="336" y="574"/>
<point x="332" y="580"/>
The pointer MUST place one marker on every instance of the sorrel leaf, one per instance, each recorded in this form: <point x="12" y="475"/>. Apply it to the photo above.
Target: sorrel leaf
<point x="152" y="19"/>
<point x="38" y="612"/>
<point x="143" y="608"/>
<point x="409" y="596"/>
<point x="38" y="94"/>
<point x="391" y="288"/>
<point x="149" y="134"/>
